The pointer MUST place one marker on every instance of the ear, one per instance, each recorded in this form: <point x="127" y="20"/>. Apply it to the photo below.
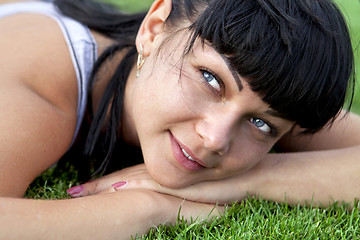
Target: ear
<point x="153" y="25"/>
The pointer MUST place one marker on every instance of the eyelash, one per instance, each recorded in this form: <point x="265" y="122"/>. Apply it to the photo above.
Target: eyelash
<point x="273" y="130"/>
<point x="208" y="85"/>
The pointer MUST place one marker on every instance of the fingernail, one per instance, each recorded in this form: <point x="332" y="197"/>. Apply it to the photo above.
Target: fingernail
<point x="119" y="184"/>
<point x="75" y="191"/>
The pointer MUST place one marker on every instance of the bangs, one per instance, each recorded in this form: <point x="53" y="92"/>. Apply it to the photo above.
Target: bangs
<point x="296" y="55"/>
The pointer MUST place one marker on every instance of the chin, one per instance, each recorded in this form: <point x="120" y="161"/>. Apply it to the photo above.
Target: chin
<point x="171" y="183"/>
<point x="169" y="176"/>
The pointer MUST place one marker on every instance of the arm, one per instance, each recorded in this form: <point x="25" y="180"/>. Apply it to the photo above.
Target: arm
<point x="324" y="167"/>
<point x="117" y="215"/>
<point x="320" y="176"/>
<point x="38" y="99"/>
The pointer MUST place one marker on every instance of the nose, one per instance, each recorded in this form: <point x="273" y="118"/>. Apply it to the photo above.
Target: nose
<point x="217" y="132"/>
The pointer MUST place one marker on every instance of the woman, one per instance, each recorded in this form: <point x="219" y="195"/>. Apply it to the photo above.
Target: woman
<point x="204" y="88"/>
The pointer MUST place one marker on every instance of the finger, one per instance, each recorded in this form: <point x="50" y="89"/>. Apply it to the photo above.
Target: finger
<point x="108" y="190"/>
<point x="205" y="192"/>
<point x="86" y="189"/>
<point x="101" y="184"/>
<point x="93" y="187"/>
<point x="146" y="182"/>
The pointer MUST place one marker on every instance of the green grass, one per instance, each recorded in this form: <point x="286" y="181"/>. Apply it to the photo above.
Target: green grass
<point x="258" y="219"/>
<point x="249" y="219"/>
<point x="53" y="183"/>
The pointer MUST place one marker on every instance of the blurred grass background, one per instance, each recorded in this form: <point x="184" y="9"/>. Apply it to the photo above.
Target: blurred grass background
<point x="351" y="11"/>
<point x="131" y="5"/>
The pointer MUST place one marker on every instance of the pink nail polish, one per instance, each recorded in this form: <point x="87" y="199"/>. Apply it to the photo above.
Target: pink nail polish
<point x="75" y="191"/>
<point x="119" y="184"/>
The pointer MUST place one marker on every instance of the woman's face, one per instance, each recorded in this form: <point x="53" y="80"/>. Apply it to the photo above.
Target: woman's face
<point x="195" y="118"/>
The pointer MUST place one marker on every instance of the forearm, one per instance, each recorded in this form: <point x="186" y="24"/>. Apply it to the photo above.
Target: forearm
<point x="105" y="216"/>
<point x="309" y="177"/>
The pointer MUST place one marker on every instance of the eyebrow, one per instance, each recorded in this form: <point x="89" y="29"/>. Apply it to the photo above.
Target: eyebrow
<point x="275" y="113"/>
<point x="233" y="72"/>
<point x="231" y="69"/>
<point x="240" y="86"/>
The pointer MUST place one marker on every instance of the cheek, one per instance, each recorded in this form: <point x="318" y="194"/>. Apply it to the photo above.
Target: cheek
<point x="157" y="107"/>
<point x="159" y="102"/>
<point x="245" y="157"/>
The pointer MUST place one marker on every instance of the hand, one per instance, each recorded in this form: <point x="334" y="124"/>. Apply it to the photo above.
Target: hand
<point x="225" y="191"/>
<point x="170" y="207"/>
<point x="104" y="184"/>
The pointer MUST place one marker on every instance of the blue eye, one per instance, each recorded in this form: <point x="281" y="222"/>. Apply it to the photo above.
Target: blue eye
<point x="260" y="124"/>
<point x="211" y="79"/>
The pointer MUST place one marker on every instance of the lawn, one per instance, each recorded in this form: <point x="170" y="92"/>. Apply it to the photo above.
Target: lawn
<point x="249" y="219"/>
<point x="351" y="10"/>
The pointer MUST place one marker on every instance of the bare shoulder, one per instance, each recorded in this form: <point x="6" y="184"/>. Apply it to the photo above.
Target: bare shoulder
<point x="38" y="99"/>
<point x="34" y="52"/>
<point x="13" y="1"/>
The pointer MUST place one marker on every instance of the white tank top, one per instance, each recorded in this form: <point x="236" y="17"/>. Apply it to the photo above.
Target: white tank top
<point x="81" y="44"/>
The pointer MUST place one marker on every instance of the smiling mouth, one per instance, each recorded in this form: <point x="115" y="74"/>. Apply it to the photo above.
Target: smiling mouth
<point x="182" y="157"/>
<point x="187" y="155"/>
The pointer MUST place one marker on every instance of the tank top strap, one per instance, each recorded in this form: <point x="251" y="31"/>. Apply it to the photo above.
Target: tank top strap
<point x="81" y="44"/>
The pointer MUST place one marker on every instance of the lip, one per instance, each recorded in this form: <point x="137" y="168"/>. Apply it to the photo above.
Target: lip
<point x="181" y="158"/>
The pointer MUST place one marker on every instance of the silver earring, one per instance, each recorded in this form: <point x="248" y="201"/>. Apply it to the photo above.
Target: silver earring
<point x="140" y="60"/>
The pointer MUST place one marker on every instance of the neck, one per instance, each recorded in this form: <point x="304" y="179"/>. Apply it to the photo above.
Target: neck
<point x="128" y="129"/>
<point x="103" y="77"/>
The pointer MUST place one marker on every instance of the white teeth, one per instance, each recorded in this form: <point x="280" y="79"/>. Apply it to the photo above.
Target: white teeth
<point x="187" y="155"/>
